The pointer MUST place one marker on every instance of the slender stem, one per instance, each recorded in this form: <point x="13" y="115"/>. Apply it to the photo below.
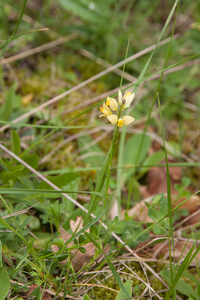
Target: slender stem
<point x="115" y="134"/>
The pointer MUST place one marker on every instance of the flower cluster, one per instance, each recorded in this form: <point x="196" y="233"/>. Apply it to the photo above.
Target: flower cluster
<point x="123" y="103"/>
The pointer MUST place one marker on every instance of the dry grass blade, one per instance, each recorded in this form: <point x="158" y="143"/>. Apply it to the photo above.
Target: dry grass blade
<point x="97" y="273"/>
<point x="97" y="285"/>
<point x="38" y="49"/>
<point x="23" y="211"/>
<point x="136" y="276"/>
<point x="107" y="65"/>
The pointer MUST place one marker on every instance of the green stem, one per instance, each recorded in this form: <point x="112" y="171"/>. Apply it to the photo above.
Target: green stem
<point x="115" y="134"/>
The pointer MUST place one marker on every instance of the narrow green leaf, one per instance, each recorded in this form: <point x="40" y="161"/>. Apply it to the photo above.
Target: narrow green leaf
<point x="42" y="191"/>
<point x="181" y="286"/>
<point x="0" y="254"/>
<point x="100" y="181"/>
<point x="7" y="106"/>
<point x="180" y="272"/>
<point x="15" y="142"/>
<point x="115" y="274"/>
<point x="81" y="9"/>
<point x="191" y="277"/>
<point x="5" y="45"/>
<point x="169" y="201"/>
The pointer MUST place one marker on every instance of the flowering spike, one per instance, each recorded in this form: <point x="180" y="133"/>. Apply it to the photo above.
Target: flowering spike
<point x="123" y="103"/>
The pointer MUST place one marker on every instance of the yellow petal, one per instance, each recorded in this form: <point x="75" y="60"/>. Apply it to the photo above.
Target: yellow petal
<point x="113" y="103"/>
<point x="108" y="101"/>
<point x="127" y="120"/>
<point x="113" y="119"/>
<point x="120" y="123"/>
<point x="127" y="95"/>
<point x="129" y="98"/>
<point x="105" y="110"/>
<point x="120" y="97"/>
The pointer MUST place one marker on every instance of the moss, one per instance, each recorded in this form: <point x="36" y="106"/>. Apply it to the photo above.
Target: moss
<point x="98" y="293"/>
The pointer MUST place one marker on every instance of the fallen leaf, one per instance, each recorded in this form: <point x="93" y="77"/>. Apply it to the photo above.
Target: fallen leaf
<point x="46" y="295"/>
<point x="157" y="183"/>
<point x="78" y="224"/>
<point x="139" y="211"/>
<point x="157" y="180"/>
<point x="31" y="289"/>
<point x="79" y="259"/>
<point x="162" y="249"/>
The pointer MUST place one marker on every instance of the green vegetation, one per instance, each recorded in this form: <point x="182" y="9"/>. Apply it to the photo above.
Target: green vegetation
<point x="99" y="208"/>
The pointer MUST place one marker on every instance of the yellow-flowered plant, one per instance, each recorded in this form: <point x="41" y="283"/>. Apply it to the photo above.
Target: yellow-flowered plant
<point x="123" y="103"/>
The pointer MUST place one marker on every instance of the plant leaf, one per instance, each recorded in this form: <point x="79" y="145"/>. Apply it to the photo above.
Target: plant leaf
<point x="15" y="140"/>
<point x="4" y="283"/>
<point x="121" y="295"/>
<point x="85" y="297"/>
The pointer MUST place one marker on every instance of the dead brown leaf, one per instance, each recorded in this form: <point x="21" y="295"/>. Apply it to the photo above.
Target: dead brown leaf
<point x="77" y="225"/>
<point x="157" y="180"/>
<point x="31" y="289"/>
<point x="46" y="295"/>
<point x="162" y="249"/>
<point x="139" y="211"/>
<point x="157" y="183"/>
<point x="79" y="259"/>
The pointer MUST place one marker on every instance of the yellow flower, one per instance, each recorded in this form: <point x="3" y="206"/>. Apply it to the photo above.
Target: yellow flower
<point x="112" y="103"/>
<point x="126" y="100"/>
<point x="126" y="120"/>
<point x="105" y="110"/>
